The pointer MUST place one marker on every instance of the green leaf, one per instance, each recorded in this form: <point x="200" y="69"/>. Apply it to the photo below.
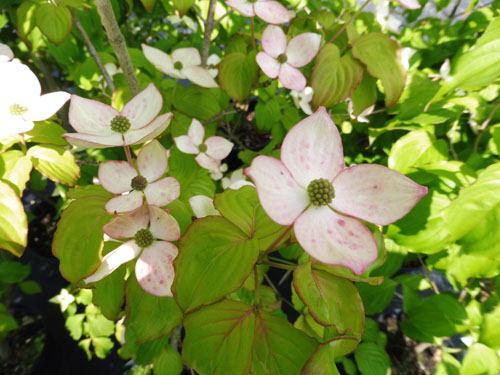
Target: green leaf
<point x="415" y="149"/>
<point x="267" y="114"/>
<point x="347" y="77"/>
<point x="332" y="301"/>
<point x="323" y="74"/>
<point x="182" y="6"/>
<point x="377" y="298"/>
<point x="13" y="272"/>
<point x="372" y="359"/>
<point x="322" y="361"/>
<point x="78" y="239"/>
<point x="365" y="95"/>
<point x="102" y="346"/>
<point x="26" y="18"/>
<point x="56" y="163"/>
<point x="15" y="169"/>
<point x="215" y="257"/>
<point x="150" y="317"/>
<point x="477" y="67"/>
<point x="46" y="132"/>
<point x="478" y="201"/>
<point x="206" y="106"/>
<point x="7" y="324"/>
<point x="110" y="292"/>
<point x="74" y="324"/>
<point x="242" y="208"/>
<point x="98" y="325"/>
<point x="237" y="72"/>
<point x="480" y="360"/>
<point x="382" y="57"/>
<point x="150" y="4"/>
<point x="13" y="221"/>
<point x="169" y="362"/>
<point x="30" y="287"/>
<point x="435" y="316"/>
<point x="490" y="329"/>
<point x="234" y="338"/>
<point x="448" y="365"/>
<point x="54" y="21"/>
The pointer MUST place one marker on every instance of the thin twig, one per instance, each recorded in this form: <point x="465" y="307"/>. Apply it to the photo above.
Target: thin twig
<point x="485" y="123"/>
<point x="223" y="16"/>
<point x="252" y="30"/>
<point x="429" y="277"/>
<point x="450" y="139"/>
<point x="117" y="41"/>
<point x="285" y="276"/>
<point x="225" y="111"/>
<point x="342" y="29"/>
<point x="209" y="26"/>
<point x="276" y="291"/>
<point x="455" y="8"/>
<point x="278" y="265"/>
<point x="93" y="51"/>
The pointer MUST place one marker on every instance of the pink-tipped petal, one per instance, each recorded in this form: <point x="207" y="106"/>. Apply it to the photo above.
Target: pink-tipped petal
<point x="148" y="132"/>
<point x="47" y="105"/>
<point x="335" y="239"/>
<point x="409" y="4"/>
<point x="163" y="225"/>
<point x="375" y="193"/>
<point x="218" y="148"/>
<point x="269" y="65"/>
<point x="143" y="107"/>
<point x="207" y="162"/>
<point x="199" y="76"/>
<point x="280" y="195"/>
<point x="242" y="6"/>
<point x="186" y="145"/>
<point x="187" y="56"/>
<point x="124" y="203"/>
<point x="196" y="132"/>
<point x="116" y="176"/>
<point x="312" y="149"/>
<point x="272" y="11"/>
<point x="292" y="78"/>
<point x="90" y="116"/>
<point x="94" y="141"/>
<point x="302" y="49"/>
<point x="274" y="40"/>
<point x="162" y="192"/>
<point x="159" y="59"/>
<point x="122" y="254"/>
<point x="155" y="268"/>
<point x="152" y="161"/>
<point x="125" y="226"/>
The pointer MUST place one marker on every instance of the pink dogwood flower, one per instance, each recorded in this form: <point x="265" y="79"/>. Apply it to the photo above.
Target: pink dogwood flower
<point x="281" y="60"/>
<point x="100" y="125"/>
<point x="269" y="10"/>
<point x="208" y="153"/>
<point x="150" y="230"/>
<point x="119" y="177"/>
<point x="184" y="63"/>
<point x="20" y="101"/>
<point x="311" y="189"/>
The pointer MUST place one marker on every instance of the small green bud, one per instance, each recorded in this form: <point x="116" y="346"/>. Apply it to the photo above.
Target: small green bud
<point x="120" y="124"/>
<point x="143" y="238"/>
<point x="282" y="58"/>
<point x="320" y="192"/>
<point x="139" y="183"/>
<point x="202" y="148"/>
<point x="178" y="65"/>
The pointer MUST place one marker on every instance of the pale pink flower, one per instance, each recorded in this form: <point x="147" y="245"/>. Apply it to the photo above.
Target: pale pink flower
<point x="281" y="60"/>
<point x="20" y="99"/>
<point x="311" y="189"/>
<point x="269" y="10"/>
<point x="184" y="63"/>
<point x="149" y="229"/>
<point x="119" y="177"/>
<point x="100" y="125"/>
<point x="208" y="153"/>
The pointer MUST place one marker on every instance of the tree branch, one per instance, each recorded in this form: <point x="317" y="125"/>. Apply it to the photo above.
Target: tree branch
<point x="209" y="26"/>
<point x="117" y="41"/>
<point x="348" y="22"/>
<point x="92" y="51"/>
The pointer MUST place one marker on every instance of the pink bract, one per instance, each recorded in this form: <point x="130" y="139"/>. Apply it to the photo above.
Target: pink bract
<point x="208" y="153"/>
<point x="328" y="230"/>
<point x="269" y="10"/>
<point x="118" y="177"/>
<point x="93" y="120"/>
<point x="282" y="60"/>
<point x="154" y="268"/>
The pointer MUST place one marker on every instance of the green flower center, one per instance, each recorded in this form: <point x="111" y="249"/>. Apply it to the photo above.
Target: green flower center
<point x="282" y="58"/>
<point x="120" y="124"/>
<point x="178" y="65"/>
<point x="320" y="192"/>
<point x="139" y="183"/>
<point x="202" y="148"/>
<point x="17" y="110"/>
<point x="252" y="1"/>
<point x="143" y="238"/>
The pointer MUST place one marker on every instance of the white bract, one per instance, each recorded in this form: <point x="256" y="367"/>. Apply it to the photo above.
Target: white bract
<point x="302" y="99"/>
<point x="20" y="99"/>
